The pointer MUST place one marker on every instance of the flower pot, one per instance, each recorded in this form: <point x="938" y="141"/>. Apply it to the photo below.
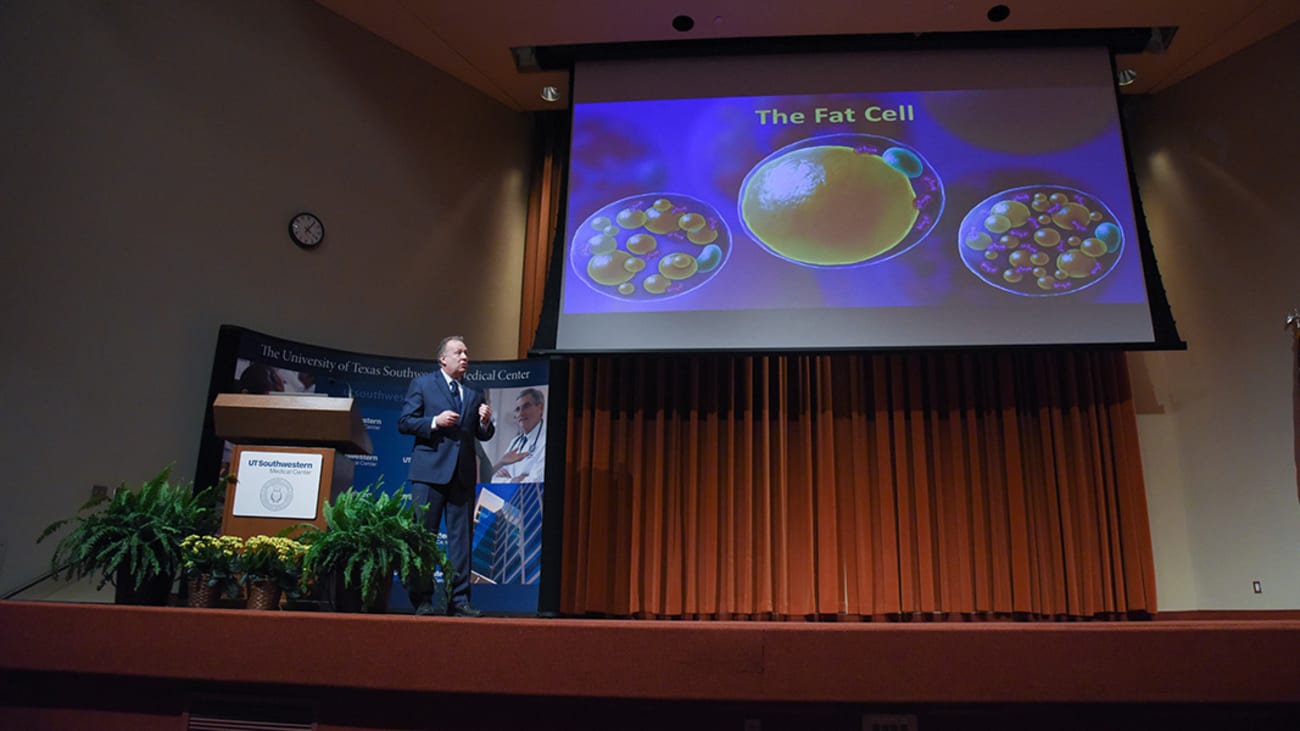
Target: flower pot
<point x="264" y="595"/>
<point x="341" y="598"/>
<point x="155" y="591"/>
<point x="202" y="592"/>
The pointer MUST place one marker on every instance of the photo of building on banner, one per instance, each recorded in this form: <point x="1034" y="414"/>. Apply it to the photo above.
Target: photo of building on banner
<point x="505" y="571"/>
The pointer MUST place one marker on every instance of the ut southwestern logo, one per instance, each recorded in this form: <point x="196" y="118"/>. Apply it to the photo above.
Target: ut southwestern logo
<point x="276" y="494"/>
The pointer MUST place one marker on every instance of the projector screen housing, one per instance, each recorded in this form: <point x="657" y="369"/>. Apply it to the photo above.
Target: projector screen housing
<point x="831" y="201"/>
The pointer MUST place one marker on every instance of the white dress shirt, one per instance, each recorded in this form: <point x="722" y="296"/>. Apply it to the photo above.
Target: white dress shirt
<point x="531" y="468"/>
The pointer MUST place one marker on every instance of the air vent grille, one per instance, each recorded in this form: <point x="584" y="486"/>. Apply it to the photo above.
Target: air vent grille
<point x="877" y="722"/>
<point x="249" y="714"/>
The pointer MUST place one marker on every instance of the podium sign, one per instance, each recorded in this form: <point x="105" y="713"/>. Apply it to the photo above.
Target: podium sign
<point x="286" y="462"/>
<point x="277" y="485"/>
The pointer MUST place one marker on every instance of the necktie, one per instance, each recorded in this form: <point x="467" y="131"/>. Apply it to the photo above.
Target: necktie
<point x="455" y="397"/>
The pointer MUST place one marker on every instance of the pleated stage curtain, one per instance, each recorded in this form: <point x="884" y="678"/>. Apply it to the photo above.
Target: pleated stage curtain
<point x="550" y="145"/>
<point x="930" y="485"/>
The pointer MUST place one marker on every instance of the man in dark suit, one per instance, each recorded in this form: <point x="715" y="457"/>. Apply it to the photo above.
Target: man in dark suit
<point x="445" y="416"/>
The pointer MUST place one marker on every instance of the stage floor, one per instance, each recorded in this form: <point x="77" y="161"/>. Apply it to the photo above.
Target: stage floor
<point x="1217" y="661"/>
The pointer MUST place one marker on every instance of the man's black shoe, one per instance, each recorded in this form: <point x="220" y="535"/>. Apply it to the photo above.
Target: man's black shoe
<point x="427" y="609"/>
<point x="465" y="610"/>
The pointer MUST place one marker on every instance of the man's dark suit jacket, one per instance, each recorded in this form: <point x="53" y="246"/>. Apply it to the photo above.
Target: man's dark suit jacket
<point x="437" y="451"/>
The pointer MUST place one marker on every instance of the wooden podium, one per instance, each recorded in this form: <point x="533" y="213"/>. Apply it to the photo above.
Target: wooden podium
<point x="293" y="452"/>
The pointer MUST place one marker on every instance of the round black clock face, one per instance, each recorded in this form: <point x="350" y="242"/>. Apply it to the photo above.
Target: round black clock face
<point x="306" y="230"/>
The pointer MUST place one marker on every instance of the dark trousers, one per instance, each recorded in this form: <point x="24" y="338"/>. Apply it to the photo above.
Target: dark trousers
<point x="456" y="500"/>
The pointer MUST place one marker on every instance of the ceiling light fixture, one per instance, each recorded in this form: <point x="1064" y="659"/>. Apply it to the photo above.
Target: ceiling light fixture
<point x="550" y="93"/>
<point x="1126" y="77"/>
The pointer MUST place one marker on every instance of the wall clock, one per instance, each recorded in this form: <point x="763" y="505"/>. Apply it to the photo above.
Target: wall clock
<point x="306" y="230"/>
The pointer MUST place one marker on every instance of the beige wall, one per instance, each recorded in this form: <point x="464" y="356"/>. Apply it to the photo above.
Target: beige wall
<point x="1217" y="163"/>
<point x="153" y="153"/>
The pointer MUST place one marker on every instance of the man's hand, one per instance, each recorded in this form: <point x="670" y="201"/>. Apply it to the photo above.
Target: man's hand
<point x="484" y="414"/>
<point x="446" y="419"/>
<point x="513" y="456"/>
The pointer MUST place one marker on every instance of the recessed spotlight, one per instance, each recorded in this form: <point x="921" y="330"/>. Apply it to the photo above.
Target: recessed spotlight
<point x="550" y="93"/>
<point x="999" y="13"/>
<point x="683" y="23"/>
<point x="1126" y="77"/>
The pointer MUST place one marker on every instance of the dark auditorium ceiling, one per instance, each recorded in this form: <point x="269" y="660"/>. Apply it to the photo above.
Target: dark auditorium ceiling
<point x="476" y="41"/>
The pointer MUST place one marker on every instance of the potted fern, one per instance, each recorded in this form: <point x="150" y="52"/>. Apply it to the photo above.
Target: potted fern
<point x="370" y="535"/>
<point x="133" y="539"/>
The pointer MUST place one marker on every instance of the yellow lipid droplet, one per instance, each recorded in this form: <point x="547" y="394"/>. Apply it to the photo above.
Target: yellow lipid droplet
<point x="828" y="205"/>
<point x="1093" y="247"/>
<point x="601" y="244"/>
<point x="678" y="266"/>
<point x="1071" y="217"/>
<point x="997" y="224"/>
<point x="1047" y="237"/>
<point x="609" y="269"/>
<point x="660" y="222"/>
<point x="1019" y="258"/>
<point x="703" y="236"/>
<point x="1046" y="282"/>
<point x="1039" y="258"/>
<point x="626" y="288"/>
<point x="979" y="241"/>
<point x="600" y="223"/>
<point x="691" y="222"/>
<point x="655" y="284"/>
<point x="1015" y="211"/>
<point x="663" y="204"/>
<point x="1012" y="276"/>
<point x="1009" y="241"/>
<point x="634" y="264"/>
<point x="631" y="218"/>
<point x="641" y="244"/>
<point x="1075" y="263"/>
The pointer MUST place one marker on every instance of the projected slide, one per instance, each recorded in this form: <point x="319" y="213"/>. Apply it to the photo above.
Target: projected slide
<point x="933" y="216"/>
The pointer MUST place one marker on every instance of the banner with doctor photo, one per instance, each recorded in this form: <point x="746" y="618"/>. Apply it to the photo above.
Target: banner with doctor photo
<point x="506" y="559"/>
<point x="507" y="550"/>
